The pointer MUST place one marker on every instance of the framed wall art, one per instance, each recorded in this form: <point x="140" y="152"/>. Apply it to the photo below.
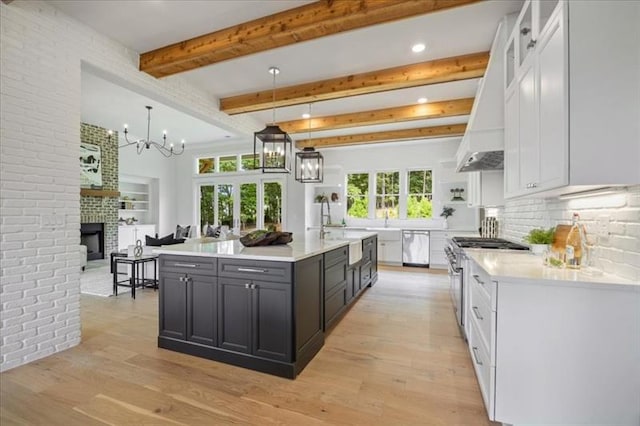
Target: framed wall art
<point x="90" y="166"/>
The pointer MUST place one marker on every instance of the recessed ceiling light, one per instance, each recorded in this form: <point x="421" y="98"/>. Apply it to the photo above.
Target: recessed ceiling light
<point x="417" y="48"/>
<point x="422" y="100"/>
<point x="306" y="115"/>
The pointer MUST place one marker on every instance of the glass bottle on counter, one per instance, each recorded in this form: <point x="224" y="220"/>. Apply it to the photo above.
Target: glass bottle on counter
<point x="576" y="240"/>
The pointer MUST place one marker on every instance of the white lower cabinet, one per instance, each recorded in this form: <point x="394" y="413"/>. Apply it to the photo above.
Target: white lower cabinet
<point x="129" y="234"/>
<point x="390" y="247"/>
<point x="437" y="242"/>
<point x="555" y="352"/>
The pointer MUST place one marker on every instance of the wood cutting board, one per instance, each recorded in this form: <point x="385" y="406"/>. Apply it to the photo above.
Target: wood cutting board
<point x="560" y="238"/>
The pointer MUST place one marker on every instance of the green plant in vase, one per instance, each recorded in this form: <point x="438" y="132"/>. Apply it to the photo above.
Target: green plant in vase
<point x="446" y="212"/>
<point x="540" y="239"/>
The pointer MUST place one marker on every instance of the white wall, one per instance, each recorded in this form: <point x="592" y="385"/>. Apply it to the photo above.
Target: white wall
<point x="618" y="253"/>
<point x="152" y="164"/>
<point x="429" y="154"/>
<point x="42" y="52"/>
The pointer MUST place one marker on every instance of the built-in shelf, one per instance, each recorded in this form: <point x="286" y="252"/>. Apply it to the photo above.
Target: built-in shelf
<point x="135" y="200"/>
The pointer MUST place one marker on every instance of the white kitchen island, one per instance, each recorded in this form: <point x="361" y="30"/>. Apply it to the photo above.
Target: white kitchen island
<point x="553" y="346"/>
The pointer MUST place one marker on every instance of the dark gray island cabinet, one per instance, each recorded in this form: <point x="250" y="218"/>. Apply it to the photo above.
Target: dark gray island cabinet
<point x="268" y="316"/>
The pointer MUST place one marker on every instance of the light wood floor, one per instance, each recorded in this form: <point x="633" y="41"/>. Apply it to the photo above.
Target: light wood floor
<point x="395" y="358"/>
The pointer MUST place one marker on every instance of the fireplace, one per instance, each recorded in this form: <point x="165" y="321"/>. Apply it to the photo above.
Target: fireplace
<point x="92" y="236"/>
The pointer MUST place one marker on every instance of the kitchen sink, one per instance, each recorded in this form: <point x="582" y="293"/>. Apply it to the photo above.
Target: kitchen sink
<point x="355" y="243"/>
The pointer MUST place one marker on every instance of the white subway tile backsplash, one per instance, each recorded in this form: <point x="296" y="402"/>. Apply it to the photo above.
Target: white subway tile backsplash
<point x="618" y="253"/>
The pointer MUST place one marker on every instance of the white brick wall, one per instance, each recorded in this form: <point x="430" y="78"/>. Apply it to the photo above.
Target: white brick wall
<point x="42" y="52"/>
<point x="619" y="253"/>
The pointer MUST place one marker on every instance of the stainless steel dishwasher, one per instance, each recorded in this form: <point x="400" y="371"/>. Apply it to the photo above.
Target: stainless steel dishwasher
<point x="415" y="248"/>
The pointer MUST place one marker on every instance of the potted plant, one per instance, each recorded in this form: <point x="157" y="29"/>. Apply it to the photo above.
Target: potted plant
<point x="539" y="239"/>
<point x="446" y="212"/>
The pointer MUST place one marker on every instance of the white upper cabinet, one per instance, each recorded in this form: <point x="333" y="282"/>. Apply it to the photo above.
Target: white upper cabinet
<point x="572" y="102"/>
<point x="485" y="188"/>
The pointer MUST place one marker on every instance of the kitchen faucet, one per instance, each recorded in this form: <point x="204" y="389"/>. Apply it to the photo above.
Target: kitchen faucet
<point x="386" y="218"/>
<point x="322" y="216"/>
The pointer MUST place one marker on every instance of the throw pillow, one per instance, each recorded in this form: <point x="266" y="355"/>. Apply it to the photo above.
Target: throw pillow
<point x="154" y="242"/>
<point x="213" y="232"/>
<point x="182" y="231"/>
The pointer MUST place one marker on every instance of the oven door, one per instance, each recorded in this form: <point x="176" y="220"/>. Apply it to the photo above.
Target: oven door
<point x="455" y="289"/>
<point x="455" y="283"/>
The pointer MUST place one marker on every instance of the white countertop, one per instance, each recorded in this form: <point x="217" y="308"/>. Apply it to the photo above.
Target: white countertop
<point x="303" y="246"/>
<point x="403" y="228"/>
<point x="518" y="266"/>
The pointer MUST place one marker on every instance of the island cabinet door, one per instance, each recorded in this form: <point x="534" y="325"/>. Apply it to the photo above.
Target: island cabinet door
<point x="234" y="314"/>
<point x="202" y="298"/>
<point x="173" y="306"/>
<point x="350" y="290"/>
<point x="272" y="320"/>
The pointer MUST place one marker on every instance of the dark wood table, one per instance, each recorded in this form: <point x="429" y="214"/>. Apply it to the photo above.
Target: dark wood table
<point x="137" y="277"/>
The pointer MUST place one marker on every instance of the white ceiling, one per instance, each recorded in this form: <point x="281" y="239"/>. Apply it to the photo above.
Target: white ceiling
<point x="110" y="106"/>
<point x="146" y="25"/>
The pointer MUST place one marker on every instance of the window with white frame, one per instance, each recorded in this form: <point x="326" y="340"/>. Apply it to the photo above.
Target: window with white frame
<point x="387" y="195"/>
<point x="419" y="194"/>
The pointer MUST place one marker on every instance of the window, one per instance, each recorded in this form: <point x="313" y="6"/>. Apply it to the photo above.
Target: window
<point x="206" y="165"/>
<point x="248" y="207"/>
<point x="207" y="215"/>
<point x="228" y="163"/>
<point x="225" y="205"/>
<point x="387" y="194"/>
<point x="249" y="161"/>
<point x="273" y="206"/>
<point x="420" y="183"/>
<point x="358" y="195"/>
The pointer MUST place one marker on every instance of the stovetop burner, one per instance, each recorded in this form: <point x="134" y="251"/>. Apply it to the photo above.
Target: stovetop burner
<point x="487" y="243"/>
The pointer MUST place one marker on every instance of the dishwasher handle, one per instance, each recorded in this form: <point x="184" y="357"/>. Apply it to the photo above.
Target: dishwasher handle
<point x="416" y="232"/>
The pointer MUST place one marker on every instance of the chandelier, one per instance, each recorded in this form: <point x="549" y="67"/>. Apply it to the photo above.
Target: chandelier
<point x="309" y="162"/>
<point x="274" y="142"/>
<point x="165" y="148"/>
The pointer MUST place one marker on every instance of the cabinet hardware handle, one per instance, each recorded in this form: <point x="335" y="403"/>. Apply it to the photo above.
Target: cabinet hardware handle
<point x="252" y="270"/>
<point x="475" y="355"/>
<point x="186" y="265"/>
<point x="475" y="311"/>
<point x="181" y="279"/>
<point x="534" y="185"/>
<point x="477" y="278"/>
<point x="247" y="285"/>
<point x="253" y="286"/>
<point x="525" y="31"/>
<point x="531" y="44"/>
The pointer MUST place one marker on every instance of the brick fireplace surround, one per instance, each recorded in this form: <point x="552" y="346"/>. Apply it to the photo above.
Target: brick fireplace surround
<point x="103" y="209"/>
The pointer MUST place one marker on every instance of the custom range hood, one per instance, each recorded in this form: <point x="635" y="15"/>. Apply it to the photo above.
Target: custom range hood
<point x="482" y="146"/>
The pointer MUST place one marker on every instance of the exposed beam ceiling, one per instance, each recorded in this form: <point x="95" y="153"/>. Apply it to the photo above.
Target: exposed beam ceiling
<point x="420" y="74"/>
<point x="312" y="21"/>
<point x="388" y="136"/>
<point x="381" y="116"/>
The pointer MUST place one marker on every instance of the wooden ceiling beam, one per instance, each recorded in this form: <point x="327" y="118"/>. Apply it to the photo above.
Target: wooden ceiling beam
<point x="441" y="109"/>
<point x="308" y="22"/>
<point x="388" y="136"/>
<point x="431" y="72"/>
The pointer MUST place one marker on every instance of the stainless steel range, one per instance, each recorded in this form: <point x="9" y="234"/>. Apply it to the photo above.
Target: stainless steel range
<point x="454" y="252"/>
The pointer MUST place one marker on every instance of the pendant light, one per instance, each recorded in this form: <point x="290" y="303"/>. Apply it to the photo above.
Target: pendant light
<point x="309" y="162"/>
<point x="274" y="143"/>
